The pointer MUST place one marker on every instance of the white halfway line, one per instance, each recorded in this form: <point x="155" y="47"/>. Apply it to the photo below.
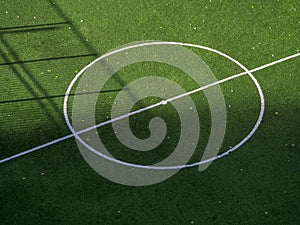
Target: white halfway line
<point x="146" y="108"/>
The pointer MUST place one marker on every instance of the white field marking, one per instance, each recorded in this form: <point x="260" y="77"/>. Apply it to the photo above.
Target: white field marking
<point x="151" y="167"/>
<point x="234" y="76"/>
<point x="149" y="107"/>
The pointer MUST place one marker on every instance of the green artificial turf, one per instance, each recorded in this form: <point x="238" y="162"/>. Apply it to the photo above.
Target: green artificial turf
<point x="43" y="44"/>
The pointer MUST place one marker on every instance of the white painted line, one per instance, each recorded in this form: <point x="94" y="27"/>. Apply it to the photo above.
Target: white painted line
<point x="146" y="108"/>
<point x="234" y="76"/>
<point x="37" y="148"/>
<point x="173" y="167"/>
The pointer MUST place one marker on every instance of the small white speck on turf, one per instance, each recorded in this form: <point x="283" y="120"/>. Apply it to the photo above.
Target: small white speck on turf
<point x="81" y="21"/>
<point x="34" y="17"/>
<point x="276" y="113"/>
<point x="6" y="12"/>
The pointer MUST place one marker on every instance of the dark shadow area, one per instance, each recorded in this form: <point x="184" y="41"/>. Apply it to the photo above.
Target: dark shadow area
<point x="58" y="96"/>
<point x="47" y="59"/>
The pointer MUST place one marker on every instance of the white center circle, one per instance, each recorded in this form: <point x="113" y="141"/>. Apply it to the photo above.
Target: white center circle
<point x="164" y="102"/>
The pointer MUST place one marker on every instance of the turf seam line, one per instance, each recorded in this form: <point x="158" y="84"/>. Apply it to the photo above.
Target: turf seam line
<point x="148" y="107"/>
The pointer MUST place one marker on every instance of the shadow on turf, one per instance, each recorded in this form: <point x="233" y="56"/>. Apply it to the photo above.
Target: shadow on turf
<point x="25" y="75"/>
<point x="57" y="96"/>
<point x="32" y="89"/>
<point x="47" y="59"/>
<point x="61" y="13"/>
<point x="34" y="26"/>
<point x="29" y="30"/>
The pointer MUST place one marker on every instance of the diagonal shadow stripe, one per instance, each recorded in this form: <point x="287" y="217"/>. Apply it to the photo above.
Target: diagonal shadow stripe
<point x="34" y="26"/>
<point x="33" y="88"/>
<point x="39" y="29"/>
<point x="57" y="96"/>
<point x="47" y="59"/>
<point x="62" y="15"/>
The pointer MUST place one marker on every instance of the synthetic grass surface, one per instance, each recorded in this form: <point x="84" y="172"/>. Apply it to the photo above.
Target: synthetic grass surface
<point x="258" y="184"/>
